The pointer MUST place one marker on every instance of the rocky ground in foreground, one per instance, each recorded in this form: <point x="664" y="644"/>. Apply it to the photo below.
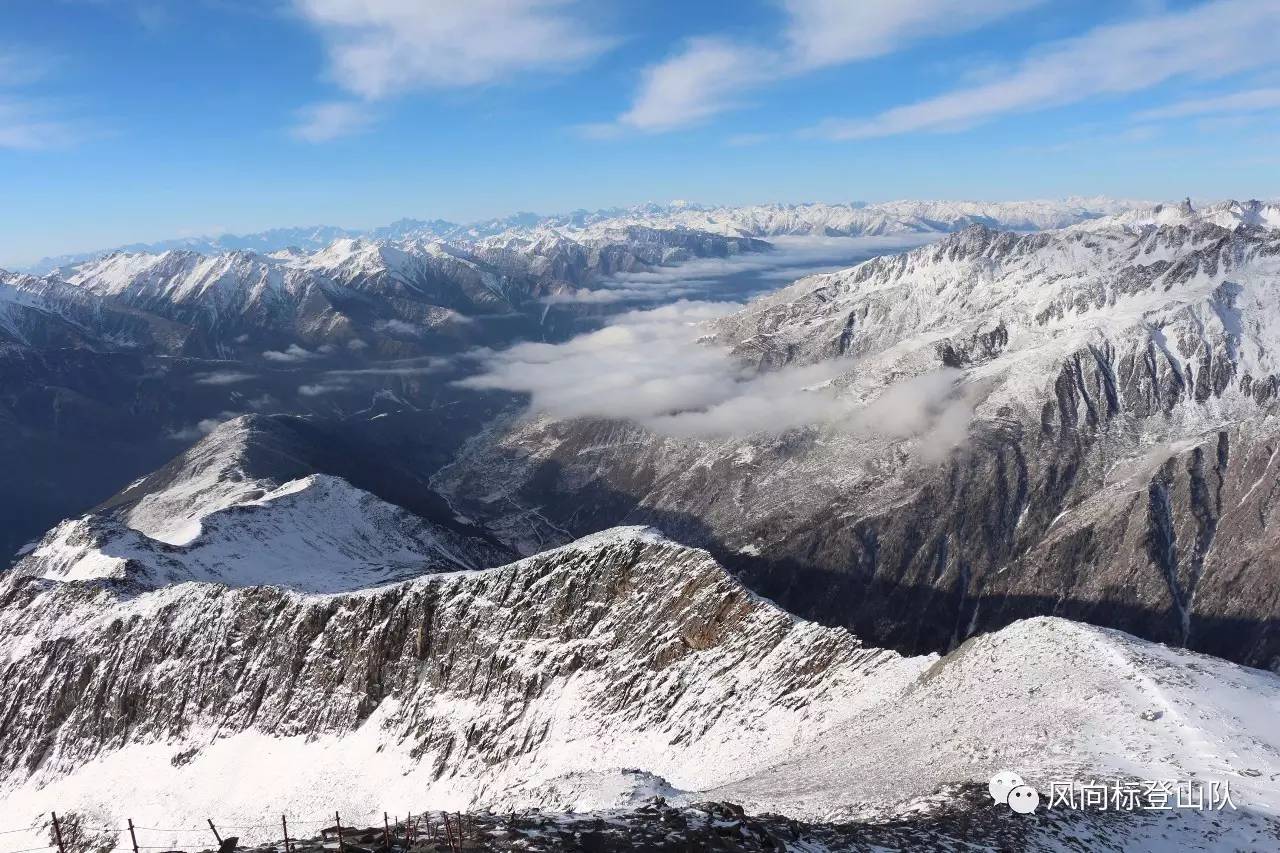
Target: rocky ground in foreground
<point x="961" y="818"/>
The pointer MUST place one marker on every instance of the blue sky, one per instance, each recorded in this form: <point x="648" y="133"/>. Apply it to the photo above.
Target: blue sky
<point x="129" y="120"/>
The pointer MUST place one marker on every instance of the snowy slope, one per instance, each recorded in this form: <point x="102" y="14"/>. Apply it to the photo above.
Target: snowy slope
<point x="1077" y="422"/>
<point x="617" y="667"/>
<point x="48" y="313"/>
<point x="359" y="285"/>
<point x="620" y="651"/>
<point x="262" y="501"/>
<point x="1051" y="700"/>
<point x="316" y="534"/>
<point x="1225" y="214"/>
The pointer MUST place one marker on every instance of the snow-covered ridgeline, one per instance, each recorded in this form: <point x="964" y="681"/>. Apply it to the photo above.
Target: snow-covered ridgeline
<point x="1077" y="421"/>
<point x="620" y="651"/>
<point x="617" y="667"/>
<point x="764" y="220"/>
<point x="1181" y="309"/>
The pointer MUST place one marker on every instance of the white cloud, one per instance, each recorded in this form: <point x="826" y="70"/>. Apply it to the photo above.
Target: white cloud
<point x="1206" y="42"/>
<point x="705" y="278"/>
<point x="223" y="377"/>
<point x="704" y="78"/>
<point x="399" y="328"/>
<point x="711" y="75"/>
<point x="1256" y="100"/>
<point x="28" y="124"/>
<point x="378" y="48"/>
<point x="405" y="367"/>
<point x="201" y="429"/>
<point x="321" y="388"/>
<point x="292" y="355"/>
<point x="331" y="120"/>
<point x="832" y="32"/>
<point x="651" y="367"/>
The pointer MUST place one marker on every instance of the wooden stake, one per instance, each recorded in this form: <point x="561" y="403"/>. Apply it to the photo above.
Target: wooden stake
<point x="386" y="831"/>
<point x="448" y="831"/>
<point x="133" y="836"/>
<point x="57" y="832"/>
<point x="215" y="831"/>
<point x="284" y="824"/>
<point x="337" y="821"/>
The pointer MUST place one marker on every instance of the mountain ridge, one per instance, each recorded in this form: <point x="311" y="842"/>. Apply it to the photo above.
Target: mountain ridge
<point x="312" y="238"/>
<point x="1099" y="410"/>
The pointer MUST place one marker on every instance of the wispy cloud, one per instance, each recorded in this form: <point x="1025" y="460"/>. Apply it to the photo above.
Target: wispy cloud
<point x="28" y="126"/>
<point x="709" y="75"/>
<point x="27" y="123"/>
<point x="293" y="355"/>
<point x="381" y="48"/>
<point x="223" y="377"/>
<point x="321" y="388"/>
<point x="822" y="33"/>
<point x="331" y="120"/>
<point x="1255" y="100"/>
<point x="1209" y="41"/>
<point x="705" y="77"/>
<point x="653" y="367"/>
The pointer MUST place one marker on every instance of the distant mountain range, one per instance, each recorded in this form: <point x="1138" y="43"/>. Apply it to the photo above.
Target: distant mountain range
<point x="852" y="219"/>
<point x="1007" y="501"/>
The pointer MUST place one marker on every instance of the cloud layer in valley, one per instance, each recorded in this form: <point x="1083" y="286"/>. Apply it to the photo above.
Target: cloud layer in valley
<point x="706" y="278"/>
<point x="656" y="368"/>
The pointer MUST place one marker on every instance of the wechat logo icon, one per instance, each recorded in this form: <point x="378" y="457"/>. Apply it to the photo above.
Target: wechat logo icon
<point x="1010" y="789"/>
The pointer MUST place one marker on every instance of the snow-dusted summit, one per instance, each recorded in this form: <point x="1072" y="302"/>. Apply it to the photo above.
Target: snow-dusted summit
<point x="255" y="502"/>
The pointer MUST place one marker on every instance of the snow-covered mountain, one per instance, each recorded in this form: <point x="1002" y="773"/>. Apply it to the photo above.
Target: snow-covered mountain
<point x="331" y="286"/>
<point x="49" y="314"/>
<point x="271" y="240"/>
<point x="861" y="219"/>
<point x="356" y="288"/>
<point x="596" y="657"/>
<point x="292" y="617"/>
<point x="617" y="667"/>
<point x="261" y="501"/>
<point x="765" y="220"/>
<point x="1079" y="422"/>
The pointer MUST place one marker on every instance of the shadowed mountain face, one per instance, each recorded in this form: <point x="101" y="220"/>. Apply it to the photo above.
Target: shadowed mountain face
<point x="313" y="592"/>
<point x="109" y="366"/>
<point x="1117" y="384"/>
<point x="1116" y="381"/>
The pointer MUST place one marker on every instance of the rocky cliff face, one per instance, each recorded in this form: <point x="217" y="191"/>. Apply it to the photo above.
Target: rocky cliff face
<point x="617" y="668"/>
<point x="1116" y="382"/>
<point x="620" y="651"/>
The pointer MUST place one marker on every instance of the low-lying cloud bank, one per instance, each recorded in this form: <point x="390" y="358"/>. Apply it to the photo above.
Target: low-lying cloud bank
<point x="657" y="368"/>
<point x="711" y="278"/>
